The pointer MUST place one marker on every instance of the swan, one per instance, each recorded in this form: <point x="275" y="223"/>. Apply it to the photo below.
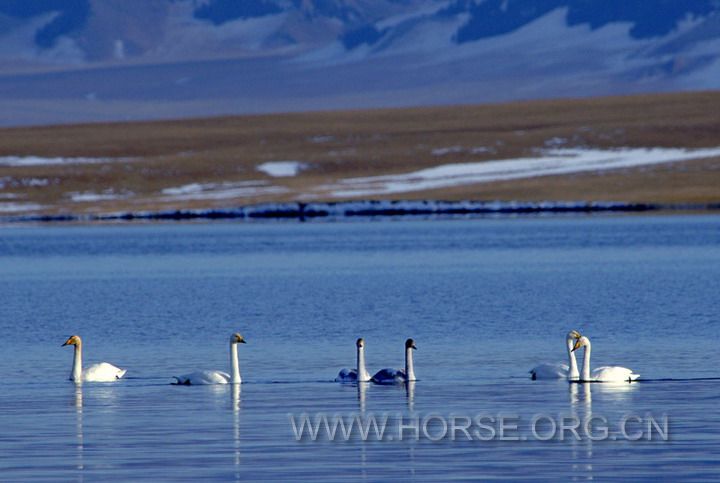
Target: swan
<point x="557" y="370"/>
<point x="102" y="372"/>
<point x="601" y="374"/>
<point x="217" y="377"/>
<point x="395" y="376"/>
<point x="351" y="375"/>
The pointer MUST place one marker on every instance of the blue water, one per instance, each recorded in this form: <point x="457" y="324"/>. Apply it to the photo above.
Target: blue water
<point x="485" y="300"/>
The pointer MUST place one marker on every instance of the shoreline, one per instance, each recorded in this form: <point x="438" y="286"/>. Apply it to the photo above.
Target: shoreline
<point x="364" y="209"/>
<point x="237" y="167"/>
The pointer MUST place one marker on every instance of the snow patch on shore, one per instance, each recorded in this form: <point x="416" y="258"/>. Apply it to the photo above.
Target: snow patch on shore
<point x="107" y="195"/>
<point x="218" y="191"/>
<point x="19" y="161"/>
<point x="19" y="207"/>
<point x="281" y="169"/>
<point x="550" y="162"/>
<point x="9" y="181"/>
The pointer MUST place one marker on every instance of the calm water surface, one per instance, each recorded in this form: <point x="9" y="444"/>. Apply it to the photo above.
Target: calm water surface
<point x="485" y="300"/>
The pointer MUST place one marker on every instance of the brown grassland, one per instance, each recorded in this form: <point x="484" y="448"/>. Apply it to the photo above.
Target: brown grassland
<point x="344" y="144"/>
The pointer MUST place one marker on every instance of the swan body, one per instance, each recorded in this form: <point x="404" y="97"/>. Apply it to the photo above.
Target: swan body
<point x="347" y="375"/>
<point x="613" y="374"/>
<point x="201" y="378"/>
<point x="398" y="376"/>
<point x="390" y="376"/>
<point x="101" y="372"/>
<point x="560" y="371"/>
<point x="550" y="371"/>
<point x="351" y="375"/>
<point x="602" y="374"/>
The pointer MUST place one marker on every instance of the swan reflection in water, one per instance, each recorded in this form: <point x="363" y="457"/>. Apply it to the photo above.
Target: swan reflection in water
<point x="581" y="400"/>
<point x="79" y="446"/>
<point x="581" y="411"/>
<point x="410" y="395"/>
<point x="362" y="388"/>
<point x="235" y="392"/>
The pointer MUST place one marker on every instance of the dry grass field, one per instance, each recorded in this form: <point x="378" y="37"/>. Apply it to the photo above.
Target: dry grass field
<point x="139" y="160"/>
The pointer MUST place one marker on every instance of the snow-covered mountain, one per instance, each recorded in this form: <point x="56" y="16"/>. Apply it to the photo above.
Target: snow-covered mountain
<point x="69" y="60"/>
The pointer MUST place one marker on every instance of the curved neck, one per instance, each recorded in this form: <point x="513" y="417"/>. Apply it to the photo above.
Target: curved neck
<point x="585" y="376"/>
<point x="76" y="374"/>
<point x="573" y="374"/>
<point x="362" y="373"/>
<point x="409" y="368"/>
<point x="234" y="365"/>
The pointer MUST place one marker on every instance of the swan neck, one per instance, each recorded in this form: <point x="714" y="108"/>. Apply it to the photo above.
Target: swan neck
<point x="363" y="375"/>
<point x="573" y="374"/>
<point x="234" y="365"/>
<point x="409" y="367"/>
<point x="76" y="374"/>
<point x="586" y="363"/>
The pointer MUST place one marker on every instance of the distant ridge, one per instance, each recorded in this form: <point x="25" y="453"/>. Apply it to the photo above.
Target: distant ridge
<point x="67" y="61"/>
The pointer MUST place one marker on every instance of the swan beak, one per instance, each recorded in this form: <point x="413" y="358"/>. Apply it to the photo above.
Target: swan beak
<point x="414" y="346"/>
<point x="577" y="345"/>
<point x="70" y="341"/>
<point x="242" y="341"/>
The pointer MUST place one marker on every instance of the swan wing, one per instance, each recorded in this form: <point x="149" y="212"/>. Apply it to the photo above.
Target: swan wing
<point x="201" y="378"/>
<point x="102" y="372"/>
<point x="347" y="375"/>
<point x="549" y="371"/>
<point x="389" y="376"/>
<point x="614" y="374"/>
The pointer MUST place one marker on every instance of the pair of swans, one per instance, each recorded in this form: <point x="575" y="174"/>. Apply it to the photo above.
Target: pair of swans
<point x="384" y="376"/>
<point x="574" y="341"/>
<point x="106" y="372"/>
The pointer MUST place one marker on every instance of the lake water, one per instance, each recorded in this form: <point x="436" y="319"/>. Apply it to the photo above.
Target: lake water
<point x="484" y="299"/>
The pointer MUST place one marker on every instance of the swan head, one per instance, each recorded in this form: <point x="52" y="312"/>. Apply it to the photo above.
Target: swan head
<point x="73" y="340"/>
<point x="360" y="343"/>
<point x="573" y="335"/>
<point x="580" y="342"/>
<point x="410" y="344"/>
<point x="236" y="338"/>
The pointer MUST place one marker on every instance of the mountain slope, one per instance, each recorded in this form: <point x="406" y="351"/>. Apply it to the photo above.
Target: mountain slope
<point x="64" y="61"/>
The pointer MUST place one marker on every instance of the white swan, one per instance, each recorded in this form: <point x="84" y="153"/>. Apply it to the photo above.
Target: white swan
<point x="217" y="377"/>
<point x="557" y="370"/>
<point x="396" y="376"/>
<point x="351" y="375"/>
<point x="601" y="374"/>
<point x="102" y="372"/>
